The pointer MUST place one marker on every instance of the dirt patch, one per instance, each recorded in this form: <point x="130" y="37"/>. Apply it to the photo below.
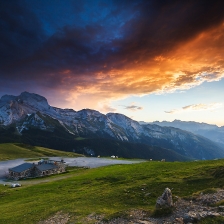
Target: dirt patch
<point x="131" y="217"/>
<point x="58" y="218"/>
<point x="93" y="218"/>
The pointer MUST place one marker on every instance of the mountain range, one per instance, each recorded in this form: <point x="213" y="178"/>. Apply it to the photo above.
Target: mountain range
<point x="212" y="132"/>
<point x="28" y="118"/>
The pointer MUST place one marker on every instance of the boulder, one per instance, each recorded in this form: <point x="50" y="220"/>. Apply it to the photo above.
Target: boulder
<point x="165" y="201"/>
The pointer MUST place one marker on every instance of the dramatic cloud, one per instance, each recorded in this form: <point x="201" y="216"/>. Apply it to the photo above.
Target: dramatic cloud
<point x="90" y="51"/>
<point x="172" y="111"/>
<point x="197" y="107"/>
<point x="107" y="109"/>
<point x="132" y="107"/>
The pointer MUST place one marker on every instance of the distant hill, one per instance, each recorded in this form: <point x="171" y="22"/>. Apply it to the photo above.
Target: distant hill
<point x="20" y="150"/>
<point x="212" y="132"/>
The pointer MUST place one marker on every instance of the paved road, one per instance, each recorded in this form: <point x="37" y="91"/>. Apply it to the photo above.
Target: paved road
<point x="79" y="161"/>
<point x="93" y="162"/>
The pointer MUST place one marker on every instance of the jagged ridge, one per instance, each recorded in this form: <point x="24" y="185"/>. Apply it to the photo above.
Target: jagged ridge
<point x="31" y="111"/>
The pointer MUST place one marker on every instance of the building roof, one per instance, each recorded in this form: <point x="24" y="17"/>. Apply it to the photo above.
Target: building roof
<point x="46" y="166"/>
<point x="22" y="167"/>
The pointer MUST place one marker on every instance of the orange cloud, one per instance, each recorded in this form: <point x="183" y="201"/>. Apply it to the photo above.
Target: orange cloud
<point x="132" y="107"/>
<point x="187" y="65"/>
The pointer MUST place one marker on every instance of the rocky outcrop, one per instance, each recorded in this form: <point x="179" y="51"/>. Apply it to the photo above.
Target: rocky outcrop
<point x="184" y="211"/>
<point x="191" y="211"/>
<point x="166" y="200"/>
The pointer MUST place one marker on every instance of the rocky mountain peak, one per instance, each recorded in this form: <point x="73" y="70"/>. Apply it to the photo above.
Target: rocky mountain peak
<point x="30" y="99"/>
<point x="121" y="119"/>
<point x="6" y="99"/>
<point x="33" y="100"/>
<point x="14" y="108"/>
<point x="88" y="112"/>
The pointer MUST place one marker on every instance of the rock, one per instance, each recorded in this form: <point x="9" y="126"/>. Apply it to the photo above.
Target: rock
<point x="213" y="214"/>
<point x="189" y="218"/>
<point x="165" y="200"/>
<point x="194" y="216"/>
<point x="179" y="221"/>
<point x="144" y="222"/>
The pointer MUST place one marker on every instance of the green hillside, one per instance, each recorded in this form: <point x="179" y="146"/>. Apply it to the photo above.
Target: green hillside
<point x="107" y="191"/>
<point x="19" y="150"/>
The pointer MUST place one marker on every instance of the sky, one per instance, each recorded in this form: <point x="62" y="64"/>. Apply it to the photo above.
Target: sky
<point x="150" y="60"/>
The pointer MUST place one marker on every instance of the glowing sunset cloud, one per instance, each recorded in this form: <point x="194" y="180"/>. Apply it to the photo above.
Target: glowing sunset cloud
<point x="187" y="66"/>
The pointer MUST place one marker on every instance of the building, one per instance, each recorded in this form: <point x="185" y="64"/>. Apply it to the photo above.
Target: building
<point x="22" y="171"/>
<point x="43" y="168"/>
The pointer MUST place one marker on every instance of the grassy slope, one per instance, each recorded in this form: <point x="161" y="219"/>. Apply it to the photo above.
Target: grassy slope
<point x="18" y="150"/>
<point x="108" y="190"/>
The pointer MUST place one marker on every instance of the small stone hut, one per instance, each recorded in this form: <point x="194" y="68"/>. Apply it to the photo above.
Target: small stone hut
<point x="43" y="168"/>
<point x="22" y="171"/>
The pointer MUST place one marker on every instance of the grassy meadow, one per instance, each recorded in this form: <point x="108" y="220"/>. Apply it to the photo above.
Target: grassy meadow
<point x="108" y="191"/>
<point x="18" y="150"/>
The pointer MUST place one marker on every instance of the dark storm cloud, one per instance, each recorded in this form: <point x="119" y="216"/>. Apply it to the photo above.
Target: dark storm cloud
<point x="21" y="32"/>
<point x="91" y="38"/>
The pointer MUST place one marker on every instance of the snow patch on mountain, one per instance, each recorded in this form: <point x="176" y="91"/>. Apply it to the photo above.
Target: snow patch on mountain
<point x="34" y="121"/>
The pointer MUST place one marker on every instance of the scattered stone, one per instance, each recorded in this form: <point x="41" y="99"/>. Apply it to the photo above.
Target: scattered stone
<point x="93" y="217"/>
<point x="179" y="220"/>
<point x="194" y="216"/>
<point x="165" y="201"/>
<point x="144" y="222"/>
<point x="210" y="199"/>
<point x="184" y="212"/>
<point x="58" y="218"/>
<point x="190" y="218"/>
